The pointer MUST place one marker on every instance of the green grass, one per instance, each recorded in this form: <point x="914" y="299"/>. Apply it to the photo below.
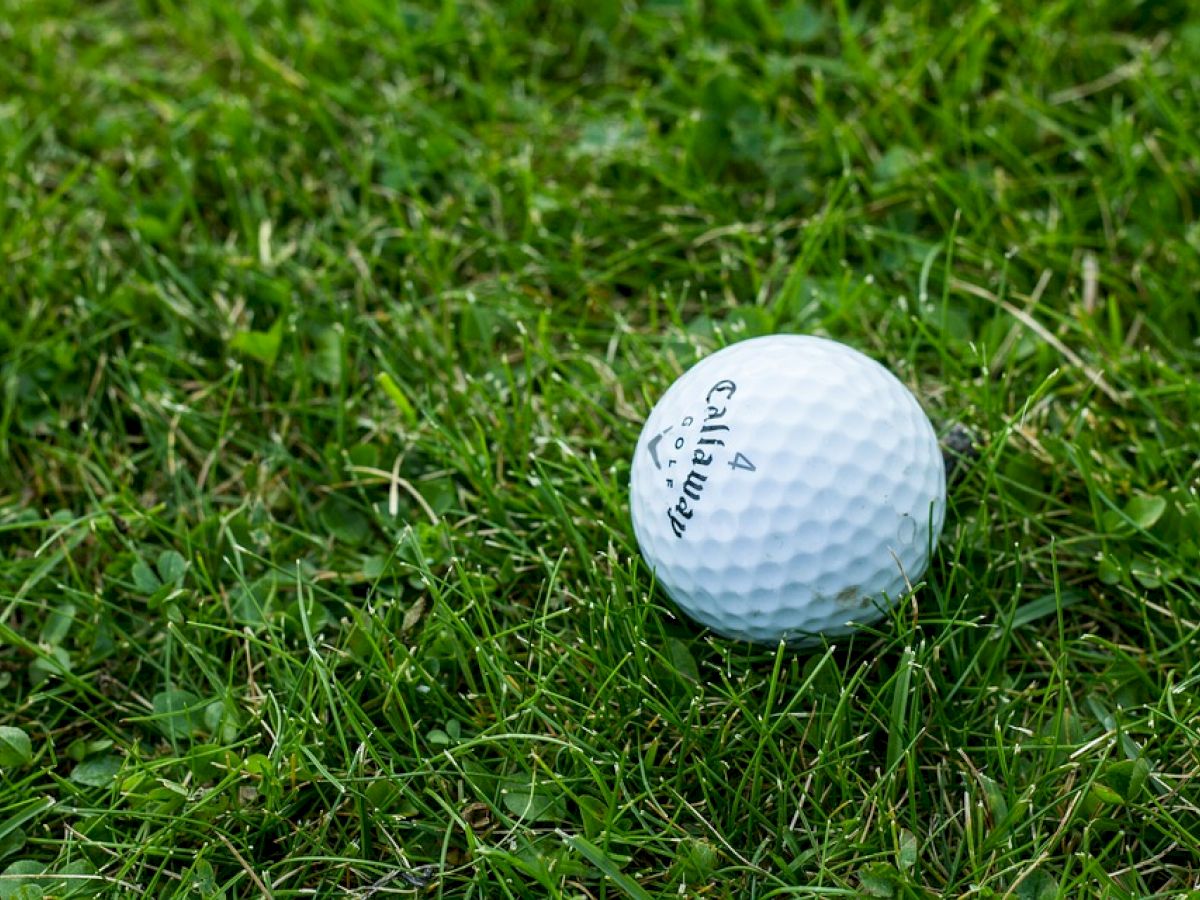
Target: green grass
<point x="326" y="331"/>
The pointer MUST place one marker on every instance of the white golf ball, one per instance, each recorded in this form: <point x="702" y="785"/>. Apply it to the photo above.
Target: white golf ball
<point x="787" y="486"/>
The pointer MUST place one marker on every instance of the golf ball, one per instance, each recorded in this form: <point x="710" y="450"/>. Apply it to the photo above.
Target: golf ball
<point x="787" y="486"/>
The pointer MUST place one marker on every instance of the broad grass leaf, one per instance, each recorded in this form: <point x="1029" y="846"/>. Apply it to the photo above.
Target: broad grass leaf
<point x="804" y="23"/>
<point x="327" y="366"/>
<point x="345" y="521"/>
<point x="144" y="578"/>
<point x="210" y="762"/>
<point x="1127" y="777"/>
<point x="1104" y="794"/>
<point x="56" y="662"/>
<point x="1145" y="510"/>
<point x="695" y="861"/>
<point x="262" y="346"/>
<point x="171" y="566"/>
<point x="13" y="841"/>
<point x="1038" y="885"/>
<point x="58" y="624"/>
<point x="878" y="880"/>
<point x="176" y="713"/>
<point x="97" y="771"/>
<point x="606" y="865"/>
<point x="531" y="801"/>
<point x="22" y="881"/>
<point x="994" y="797"/>
<point x="906" y="853"/>
<point x="77" y="879"/>
<point x="16" y="749"/>
<point x="683" y="661"/>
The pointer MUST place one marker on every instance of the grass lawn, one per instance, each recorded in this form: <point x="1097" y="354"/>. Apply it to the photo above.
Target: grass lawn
<point x="326" y="333"/>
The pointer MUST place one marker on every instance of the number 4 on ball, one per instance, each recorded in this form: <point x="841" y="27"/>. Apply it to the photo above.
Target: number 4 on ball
<point x="740" y="462"/>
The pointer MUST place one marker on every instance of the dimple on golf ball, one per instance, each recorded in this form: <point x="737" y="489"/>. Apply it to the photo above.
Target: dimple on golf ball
<point x="787" y="486"/>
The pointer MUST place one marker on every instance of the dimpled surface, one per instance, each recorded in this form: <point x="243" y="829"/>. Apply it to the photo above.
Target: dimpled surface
<point x="786" y="486"/>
